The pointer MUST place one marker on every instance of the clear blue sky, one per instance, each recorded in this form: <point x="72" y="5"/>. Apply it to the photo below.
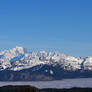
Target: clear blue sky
<point x="65" y="25"/>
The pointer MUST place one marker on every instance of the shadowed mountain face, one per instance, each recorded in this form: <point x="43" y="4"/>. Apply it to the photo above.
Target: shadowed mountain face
<point x="18" y="64"/>
<point x="42" y="73"/>
<point x="33" y="89"/>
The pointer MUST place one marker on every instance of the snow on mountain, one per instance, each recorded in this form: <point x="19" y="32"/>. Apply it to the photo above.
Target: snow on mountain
<point x="9" y="55"/>
<point x="88" y="63"/>
<point x="19" y="58"/>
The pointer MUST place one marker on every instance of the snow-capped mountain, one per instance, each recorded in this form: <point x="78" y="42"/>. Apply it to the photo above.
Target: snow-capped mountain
<point x="19" y="58"/>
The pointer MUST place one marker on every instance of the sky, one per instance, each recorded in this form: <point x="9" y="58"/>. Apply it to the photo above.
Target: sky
<point x="64" y="25"/>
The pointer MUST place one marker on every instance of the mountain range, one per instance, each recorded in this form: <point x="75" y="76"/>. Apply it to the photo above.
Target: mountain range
<point x="18" y="64"/>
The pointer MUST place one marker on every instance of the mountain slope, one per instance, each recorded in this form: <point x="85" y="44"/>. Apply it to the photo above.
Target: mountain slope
<point x="18" y="64"/>
<point x="19" y="58"/>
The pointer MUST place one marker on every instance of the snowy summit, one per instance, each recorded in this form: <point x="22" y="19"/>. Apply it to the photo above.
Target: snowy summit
<point x="19" y="58"/>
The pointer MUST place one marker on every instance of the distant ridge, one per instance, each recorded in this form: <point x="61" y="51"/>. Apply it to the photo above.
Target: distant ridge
<point x="19" y="58"/>
<point x="20" y="64"/>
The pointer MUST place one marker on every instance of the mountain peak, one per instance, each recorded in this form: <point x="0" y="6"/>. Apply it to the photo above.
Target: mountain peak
<point x="18" y="58"/>
<point x="21" y="50"/>
<point x="19" y="47"/>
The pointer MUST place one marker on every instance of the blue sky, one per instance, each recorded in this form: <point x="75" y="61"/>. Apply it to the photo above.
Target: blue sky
<point x="64" y="25"/>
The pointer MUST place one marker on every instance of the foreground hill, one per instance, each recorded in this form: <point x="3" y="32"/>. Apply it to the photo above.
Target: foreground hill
<point x="33" y="89"/>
